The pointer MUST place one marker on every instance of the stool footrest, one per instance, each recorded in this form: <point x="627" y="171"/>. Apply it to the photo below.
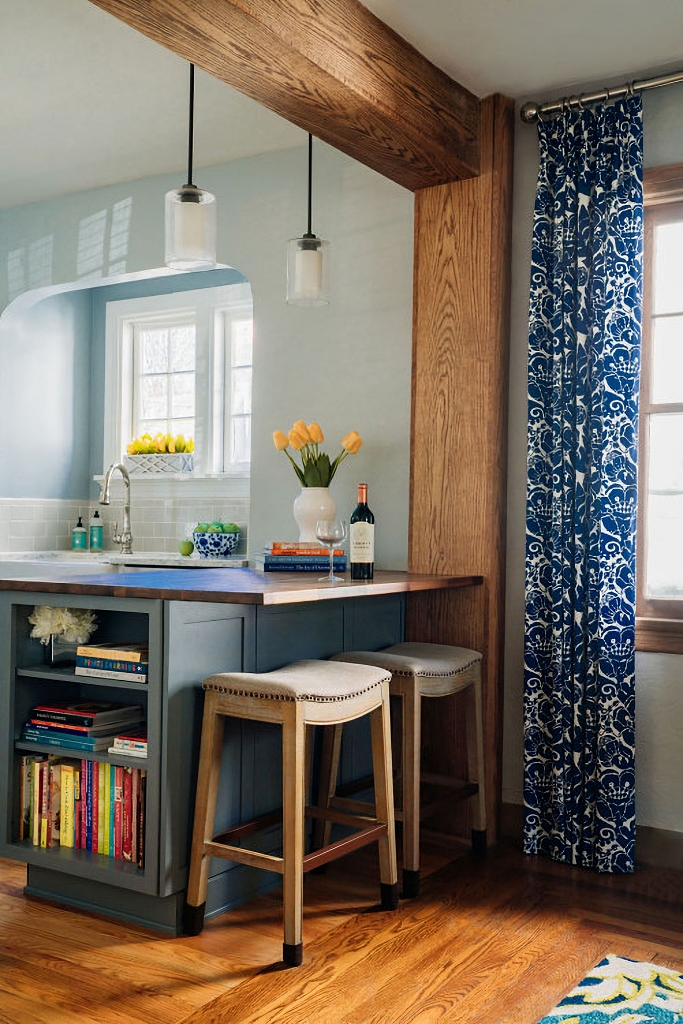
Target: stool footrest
<point x="248" y="827"/>
<point x="242" y="856"/>
<point x="344" y="846"/>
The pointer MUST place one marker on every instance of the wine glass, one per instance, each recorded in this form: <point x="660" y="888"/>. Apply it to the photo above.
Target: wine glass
<point x="331" y="533"/>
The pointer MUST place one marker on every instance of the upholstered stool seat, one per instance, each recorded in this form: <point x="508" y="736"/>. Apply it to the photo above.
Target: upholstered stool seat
<point x="305" y="693"/>
<point x="428" y="670"/>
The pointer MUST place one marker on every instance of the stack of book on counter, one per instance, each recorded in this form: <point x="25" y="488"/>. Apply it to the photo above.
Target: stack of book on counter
<point x="83" y="804"/>
<point x="131" y="742"/>
<point x="113" y="661"/>
<point x="89" y="725"/>
<point x="298" y="556"/>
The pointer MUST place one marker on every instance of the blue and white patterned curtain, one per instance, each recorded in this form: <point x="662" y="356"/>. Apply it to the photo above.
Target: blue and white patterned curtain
<point x="584" y="363"/>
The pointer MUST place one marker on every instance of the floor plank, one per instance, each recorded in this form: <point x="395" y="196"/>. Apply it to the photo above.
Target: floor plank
<point x="492" y="941"/>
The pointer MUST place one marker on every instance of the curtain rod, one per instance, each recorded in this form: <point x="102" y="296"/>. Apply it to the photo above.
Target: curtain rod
<point x="532" y="112"/>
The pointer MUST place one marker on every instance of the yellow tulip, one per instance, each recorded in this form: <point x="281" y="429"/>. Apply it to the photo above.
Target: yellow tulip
<point x="315" y="433"/>
<point x="280" y="440"/>
<point x="352" y="442"/>
<point x="130" y="448"/>
<point x="189" y="447"/>
<point x="302" y="430"/>
<point x="297" y="439"/>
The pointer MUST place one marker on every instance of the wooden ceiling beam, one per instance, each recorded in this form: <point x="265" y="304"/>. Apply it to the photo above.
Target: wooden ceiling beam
<point x="332" y="68"/>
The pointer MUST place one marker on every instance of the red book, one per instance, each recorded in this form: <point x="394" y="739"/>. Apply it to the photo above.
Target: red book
<point x="127" y="838"/>
<point x="134" y="816"/>
<point x="118" y="812"/>
<point x="141" y="818"/>
<point x="83" y="805"/>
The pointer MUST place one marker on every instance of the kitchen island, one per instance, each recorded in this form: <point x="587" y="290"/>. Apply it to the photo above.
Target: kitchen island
<point x="195" y="623"/>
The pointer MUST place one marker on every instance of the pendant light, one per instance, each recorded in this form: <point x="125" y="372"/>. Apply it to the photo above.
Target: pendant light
<point x="191" y="216"/>
<point x="307" y="260"/>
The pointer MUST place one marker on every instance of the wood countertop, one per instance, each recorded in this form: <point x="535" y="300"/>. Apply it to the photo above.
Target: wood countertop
<point x="229" y="586"/>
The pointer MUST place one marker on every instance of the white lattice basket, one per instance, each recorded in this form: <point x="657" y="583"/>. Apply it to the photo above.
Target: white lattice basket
<point x="158" y="463"/>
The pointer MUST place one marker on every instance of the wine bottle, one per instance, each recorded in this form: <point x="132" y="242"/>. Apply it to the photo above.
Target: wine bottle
<point x="362" y="538"/>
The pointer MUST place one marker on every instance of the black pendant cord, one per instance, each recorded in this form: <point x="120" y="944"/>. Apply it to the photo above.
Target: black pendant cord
<point x="309" y="233"/>
<point x="191" y="127"/>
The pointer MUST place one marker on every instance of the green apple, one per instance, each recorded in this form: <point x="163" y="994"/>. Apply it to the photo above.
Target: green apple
<point x="201" y="528"/>
<point x="230" y="528"/>
<point x="185" y="547"/>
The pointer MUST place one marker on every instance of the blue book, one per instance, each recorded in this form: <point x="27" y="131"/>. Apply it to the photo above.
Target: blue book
<point x="47" y="737"/>
<point x="298" y="567"/>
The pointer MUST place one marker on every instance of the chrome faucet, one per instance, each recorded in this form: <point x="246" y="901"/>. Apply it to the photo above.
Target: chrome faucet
<point x="125" y="538"/>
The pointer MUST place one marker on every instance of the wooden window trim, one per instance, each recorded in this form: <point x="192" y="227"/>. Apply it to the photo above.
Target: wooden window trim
<point x="659" y="624"/>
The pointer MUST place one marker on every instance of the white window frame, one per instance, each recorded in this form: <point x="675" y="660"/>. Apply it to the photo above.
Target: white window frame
<point x="210" y="307"/>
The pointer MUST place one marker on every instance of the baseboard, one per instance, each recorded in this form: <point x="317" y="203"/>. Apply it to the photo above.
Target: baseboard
<point x="657" y="847"/>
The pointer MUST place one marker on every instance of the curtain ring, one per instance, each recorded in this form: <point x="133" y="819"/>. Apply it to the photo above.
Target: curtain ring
<point x="630" y="91"/>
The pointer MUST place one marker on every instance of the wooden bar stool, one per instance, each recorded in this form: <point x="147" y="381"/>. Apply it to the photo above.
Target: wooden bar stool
<point x="424" y="670"/>
<point x="305" y="693"/>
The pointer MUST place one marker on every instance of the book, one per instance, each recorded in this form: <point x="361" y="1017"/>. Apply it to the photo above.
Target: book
<point x="87" y="712"/>
<point x="91" y="806"/>
<point x="49" y="738"/>
<point x="298" y="548"/>
<point x="102" y="779"/>
<point x="142" y="792"/>
<point x="36" y="793"/>
<point x="126" y="837"/>
<point x="122" y="651"/>
<point x="26" y="801"/>
<point x="54" y="803"/>
<point x="44" y="802"/>
<point x="66" y="729"/>
<point x="110" y="673"/>
<point x="127" y="753"/>
<point x="298" y="566"/>
<point x="135" y="740"/>
<point x="285" y="560"/>
<point x="118" y="812"/>
<point x="67" y="833"/>
<point x="134" y="668"/>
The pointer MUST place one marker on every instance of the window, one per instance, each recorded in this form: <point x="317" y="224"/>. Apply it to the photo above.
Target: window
<point x="181" y="364"/>
<point x="660" y="539"/>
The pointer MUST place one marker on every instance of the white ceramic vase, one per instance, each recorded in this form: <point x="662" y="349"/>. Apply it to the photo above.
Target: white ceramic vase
<point x="310" y="505"/>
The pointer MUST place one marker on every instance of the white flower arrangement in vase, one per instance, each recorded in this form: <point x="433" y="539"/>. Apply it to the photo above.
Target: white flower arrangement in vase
<point x="61" y="630"/>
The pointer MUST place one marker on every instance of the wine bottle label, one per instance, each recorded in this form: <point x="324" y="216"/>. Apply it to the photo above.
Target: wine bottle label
<point x="362" y="542"/>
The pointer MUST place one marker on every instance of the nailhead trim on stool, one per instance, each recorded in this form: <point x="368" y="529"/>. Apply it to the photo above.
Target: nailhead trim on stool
<point x="305" y="693"/>
<point x="431" y="670"/>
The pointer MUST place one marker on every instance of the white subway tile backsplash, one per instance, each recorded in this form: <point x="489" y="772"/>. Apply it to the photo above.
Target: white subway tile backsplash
<point x="157" y="524"/>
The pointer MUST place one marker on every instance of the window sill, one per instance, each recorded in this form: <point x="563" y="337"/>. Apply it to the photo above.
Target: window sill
<point x="183" y="485"/>
<point x="659" y="636"/>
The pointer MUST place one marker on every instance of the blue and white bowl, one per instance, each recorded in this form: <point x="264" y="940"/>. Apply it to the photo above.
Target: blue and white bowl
<point x="215" y="545"/>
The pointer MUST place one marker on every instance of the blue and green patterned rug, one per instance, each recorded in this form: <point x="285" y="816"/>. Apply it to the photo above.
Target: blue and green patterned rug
<point x="621" y="991"/>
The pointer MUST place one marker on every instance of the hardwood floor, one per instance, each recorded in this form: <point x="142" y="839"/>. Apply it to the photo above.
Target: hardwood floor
<point x="496" y="941"/>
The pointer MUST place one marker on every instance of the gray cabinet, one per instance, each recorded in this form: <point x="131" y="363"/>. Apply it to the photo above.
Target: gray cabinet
<point x="188" y="640"/>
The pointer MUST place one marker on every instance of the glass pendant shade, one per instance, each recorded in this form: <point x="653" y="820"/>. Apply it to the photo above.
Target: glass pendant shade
<point x="191" y="229"/>
<point x="307" y="271"/>
<point x="191" y="215"/>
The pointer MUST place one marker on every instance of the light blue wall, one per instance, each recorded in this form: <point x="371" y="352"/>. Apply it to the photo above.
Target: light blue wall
<point x="659" y="693"/>
<point x="346" y="365"/>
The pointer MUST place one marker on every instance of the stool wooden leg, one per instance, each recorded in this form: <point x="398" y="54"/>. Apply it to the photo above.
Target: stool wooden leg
<point x="293" y="809"/>
<point x="475" y="759"/>
<point x="411" y="745"/>
<point x="327" y="783"/>
<point x="204" y="815"/>
<point x="384" y="802"/>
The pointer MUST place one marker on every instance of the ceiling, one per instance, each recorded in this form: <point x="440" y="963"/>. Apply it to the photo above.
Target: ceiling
<point x="87" y="101"/>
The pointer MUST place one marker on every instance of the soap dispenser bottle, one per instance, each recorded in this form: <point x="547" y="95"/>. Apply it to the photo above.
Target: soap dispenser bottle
<point x="95" y="531"/>
<point x="79" y="536"/>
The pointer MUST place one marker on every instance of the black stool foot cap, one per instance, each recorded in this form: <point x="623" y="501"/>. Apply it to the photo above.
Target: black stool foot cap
<point x="411" y="884"/>
<point x="193" y="919"/>
<point x="389" y="895"/>
<point x="478" y="842"/>
<point x="292" y="954"/>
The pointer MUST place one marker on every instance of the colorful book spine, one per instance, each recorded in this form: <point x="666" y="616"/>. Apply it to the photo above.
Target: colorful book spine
<point x="67" y="831"/>
<point x="141" y="818"/>
<point x="127" y="839"/>
<point x="25" y="798"/>
<point x="136" y="652"/>
<point x="110" y="673"/>
<point x="101" y="807"/>
<point x="118" y="812"/>
<point x="110" y="665"/>
<point x="92" y="823"/>
<point x="85" y="791"/>
<point x="47" y="738"/>
<point x="300" y="559"/>
<point x="318" y="566"/>
<point x="37" y="789"/>
<point x="44" y="802"/>
<point x="293" y="548"/>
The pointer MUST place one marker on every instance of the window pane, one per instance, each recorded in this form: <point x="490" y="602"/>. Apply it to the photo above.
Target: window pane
<point x="667" y="367"/>
<point x="183" y="348"/>
<point x="154" y="350"/>
<point x="666" y="453"/>
<point x="241" y="439"/>
<point x="665" y="546"/>
<point x="151" y="427"/>
<point x="182" y="394"/>
<point x="241" y="342"/>
<point x="240" y="401"/>
<point x="668" y="294"/>
<point x="153" y="397"/>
